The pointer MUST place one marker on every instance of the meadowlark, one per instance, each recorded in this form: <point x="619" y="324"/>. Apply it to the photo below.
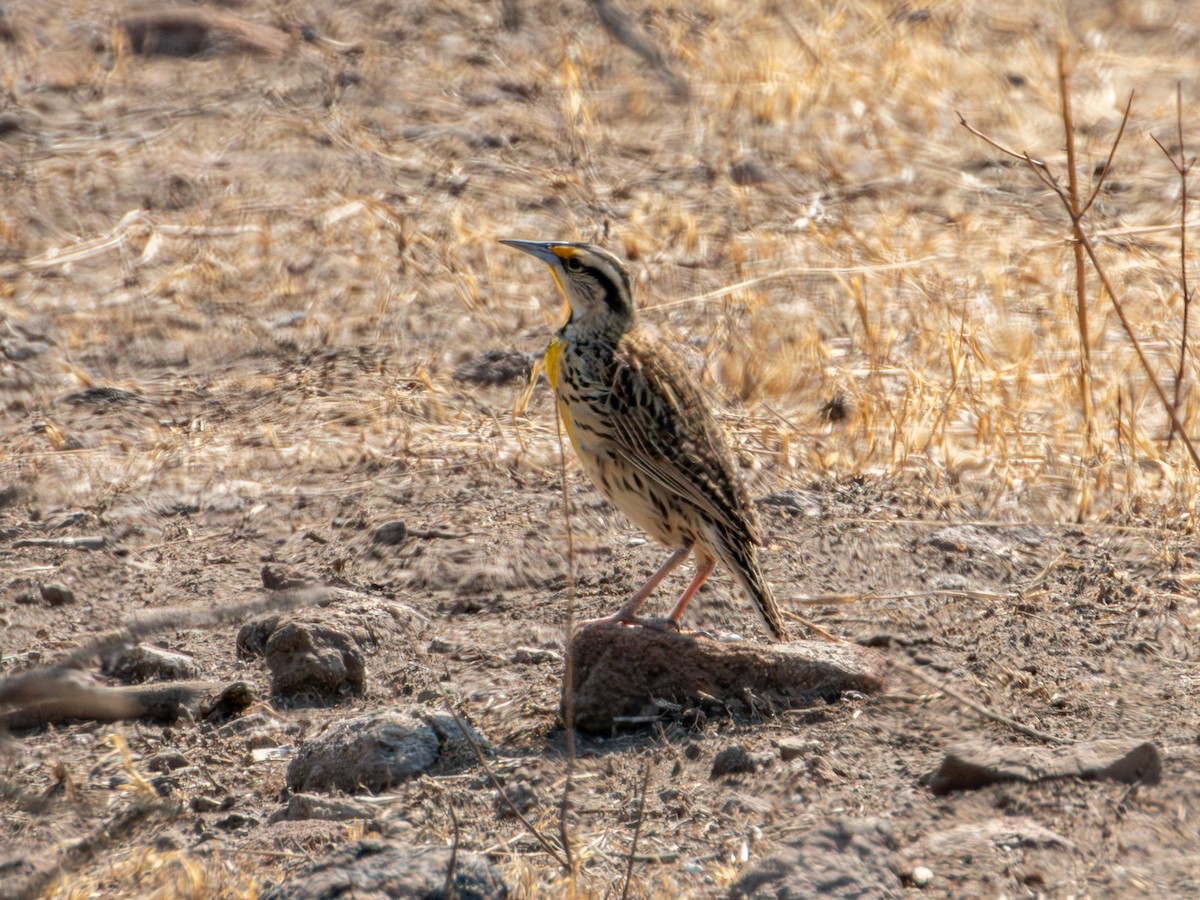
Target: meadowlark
<point x="642" y="432"/>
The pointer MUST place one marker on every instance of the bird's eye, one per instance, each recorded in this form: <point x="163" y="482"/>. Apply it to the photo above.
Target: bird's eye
<point x="574" y="265"/>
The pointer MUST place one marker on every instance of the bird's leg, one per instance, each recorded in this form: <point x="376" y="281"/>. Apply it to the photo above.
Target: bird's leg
<point x="627" y="614"/>
<point x="704" y="566"/>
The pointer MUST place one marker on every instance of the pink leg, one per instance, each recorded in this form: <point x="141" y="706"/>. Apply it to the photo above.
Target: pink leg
<point x="704" y="566"/>
<point x="627" y="614"/>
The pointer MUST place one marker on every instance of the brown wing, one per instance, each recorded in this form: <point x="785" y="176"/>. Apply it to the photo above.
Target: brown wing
<point x="675" y="440"/>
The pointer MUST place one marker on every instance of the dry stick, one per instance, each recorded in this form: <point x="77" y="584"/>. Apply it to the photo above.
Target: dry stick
<point x="1042" y="171"/>
<point x="637" y="828"/>
<point x="568" y="658"/>
<point x="978" y="707"/>
<point x="1183" y="166"/>
<point x="495" y="782"/>
<point x="1081" y="316"/>
<point x="618" y="23"/>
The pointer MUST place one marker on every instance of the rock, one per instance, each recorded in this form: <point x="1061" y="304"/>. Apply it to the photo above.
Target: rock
<point x="971" y="766"/>
<point x="334" y="809"/>
<point x="313" y="661"/>
<point x="390" y="534"/>
<point x="532" y="656"/>
<point x="377" y="868"/>
<point x="733" y="760"/>
<point x="315" y="655"/>
<point x="921" y="876"/>
<point x="495" y="367"/>
<point x="794" y="748"/>
<point x="372" y="753"/>
<point x="143" y="662"/>
<point x="232" y="700"/>
<point x="56" y="594"/>
<point x="845" y="859"/>
<point x="201" y="32"/>
<point x="620" y="672"/>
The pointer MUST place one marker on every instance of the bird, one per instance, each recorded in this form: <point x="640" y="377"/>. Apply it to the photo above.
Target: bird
<point x="644" y="434"/>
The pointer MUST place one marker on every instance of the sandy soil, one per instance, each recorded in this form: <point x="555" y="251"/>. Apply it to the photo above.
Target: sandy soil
<point x="253" y="309"/>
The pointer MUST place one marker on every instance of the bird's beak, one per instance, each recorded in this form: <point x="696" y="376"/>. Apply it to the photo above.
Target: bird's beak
<point x="544" y="250"/>
<point x="541" y="249"/>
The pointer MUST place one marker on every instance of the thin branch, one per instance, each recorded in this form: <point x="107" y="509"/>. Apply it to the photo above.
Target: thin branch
<point x="1182" y="166"/>
<point x="619" y="24"/>
<point x="1077" y="211"/>
<point x="977" y="707"/>
<point x="504" y="798"/>
<point x="1111" y="153"/>
<point x="1041" y="171"/>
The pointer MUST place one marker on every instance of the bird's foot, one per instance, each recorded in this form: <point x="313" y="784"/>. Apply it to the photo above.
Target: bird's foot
<point x="664" y="624"/>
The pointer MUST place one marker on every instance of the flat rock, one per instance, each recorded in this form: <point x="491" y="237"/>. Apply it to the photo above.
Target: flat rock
<point x="848" y="858"/>
<point x="622" y="672"/>
<point x="976" y="765"/>
<point x="142" y="663"/>
<point x="374" y="752"/>
<point x="301" y="807"/>
<point x="375" y="869"/>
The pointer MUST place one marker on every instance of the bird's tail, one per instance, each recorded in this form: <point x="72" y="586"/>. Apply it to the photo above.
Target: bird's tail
<point x="741" y="558"/>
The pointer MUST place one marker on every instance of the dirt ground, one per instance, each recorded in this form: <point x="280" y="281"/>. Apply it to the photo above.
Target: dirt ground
<point x="252" y="308"/>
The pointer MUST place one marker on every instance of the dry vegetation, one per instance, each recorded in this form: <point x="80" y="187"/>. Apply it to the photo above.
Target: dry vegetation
<point x="283" y="257"/>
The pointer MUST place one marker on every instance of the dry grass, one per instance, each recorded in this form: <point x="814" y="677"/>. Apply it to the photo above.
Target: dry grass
<point x="285" y="259"/>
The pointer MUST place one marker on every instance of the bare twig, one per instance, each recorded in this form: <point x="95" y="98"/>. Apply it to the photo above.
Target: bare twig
<point x="1042" y="171"/>
<point x="1183" y="165"/>
<point x="637" y="827"/>
<point x="977" y="707"/>
<point x="620" y="26"/>
<point x="1077" y="211"/>
<point x="504" y="798"/>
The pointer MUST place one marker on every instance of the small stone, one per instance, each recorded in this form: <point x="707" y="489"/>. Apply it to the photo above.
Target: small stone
<point x="143" y="663"/>
<point x="794" y="748"/>
<point x="921" y="876"/>
<point x="495" y="367"/>
<point x="56" y="594"/>
<point x="390" y="534"/>
<point x="525" y="656"/>
<point x="733" y="760"/>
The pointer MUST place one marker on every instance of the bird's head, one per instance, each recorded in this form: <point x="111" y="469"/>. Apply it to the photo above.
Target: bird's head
<point x="593" y="282"/>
